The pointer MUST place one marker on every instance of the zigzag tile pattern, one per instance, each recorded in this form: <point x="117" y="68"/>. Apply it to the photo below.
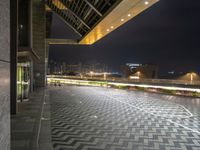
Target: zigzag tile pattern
<point x="164" y="107"/>
<point x="91" y="118"/>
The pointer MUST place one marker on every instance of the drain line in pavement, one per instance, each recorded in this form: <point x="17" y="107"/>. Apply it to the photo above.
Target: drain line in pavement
<point x="40" y="122"/>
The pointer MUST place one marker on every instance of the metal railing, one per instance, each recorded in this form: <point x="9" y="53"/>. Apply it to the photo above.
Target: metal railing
<point x="126" y="80"/>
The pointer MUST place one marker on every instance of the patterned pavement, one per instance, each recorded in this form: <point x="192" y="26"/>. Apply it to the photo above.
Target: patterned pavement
<point x="94" y="118"/>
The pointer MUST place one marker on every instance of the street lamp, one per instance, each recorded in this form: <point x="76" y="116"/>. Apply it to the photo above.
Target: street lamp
<point x="191" y="77"/>
<point x="138" y="73"/>
<point x="192" y="74"/>
<point x="104" y="75"/>
<point x="81" y="76"/>
<point x="91" y="74"/>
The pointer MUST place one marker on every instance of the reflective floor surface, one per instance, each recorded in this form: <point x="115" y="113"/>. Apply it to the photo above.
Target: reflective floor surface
<point x="95" y="118"/>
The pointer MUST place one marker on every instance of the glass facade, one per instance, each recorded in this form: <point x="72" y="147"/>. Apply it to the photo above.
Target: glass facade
<point x="23" y="80"/>
<point x="23" y="66"/>
<point x="24" y="23"/>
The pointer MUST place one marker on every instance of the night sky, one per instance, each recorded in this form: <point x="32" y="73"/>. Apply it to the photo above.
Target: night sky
<point x="167" y="34"/>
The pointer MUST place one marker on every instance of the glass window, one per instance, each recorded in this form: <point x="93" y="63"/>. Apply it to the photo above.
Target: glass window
<point x="24" y="23"/>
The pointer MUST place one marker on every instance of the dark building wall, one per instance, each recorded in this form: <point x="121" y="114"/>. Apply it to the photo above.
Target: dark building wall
<point x="126" y="71"/>
<point x="148" y="71"/>
<point x="48" y="23"/>
<point x="38" y="37"/>
<point x="144" y="71"/>
<point x="23" y="23"/>
<point x="4" y="75"/>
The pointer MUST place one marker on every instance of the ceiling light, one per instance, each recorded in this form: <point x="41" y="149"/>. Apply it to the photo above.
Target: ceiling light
<point x="146" y="2"/>
<point x="122" y="19"/>
<point x="129" y="15"/>
<point x="108" y="30"/>
<point x="111" y="27"/>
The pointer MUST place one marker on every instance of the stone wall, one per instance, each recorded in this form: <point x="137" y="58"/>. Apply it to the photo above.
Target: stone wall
<point x="39" y="35"/>
<point x="4" y="75"/>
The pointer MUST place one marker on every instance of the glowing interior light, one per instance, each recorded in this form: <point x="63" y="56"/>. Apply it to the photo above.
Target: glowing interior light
<point x="122" y="19"/>
<point x="107" y="30"/>
<point x="111" y="27"/>
<point x="129" y="15"/>
<point x="21" y="26"/>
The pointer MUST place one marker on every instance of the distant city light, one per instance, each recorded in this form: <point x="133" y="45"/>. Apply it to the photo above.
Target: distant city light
<point x="91" y="74"/>
<point x="171" y="72"/>
<point x="138" y="73"/>
<point x="104" y="75"/>
<point x="134" y="77"/>
<point x="192" y="75"/>
<point x="133" y="65"/>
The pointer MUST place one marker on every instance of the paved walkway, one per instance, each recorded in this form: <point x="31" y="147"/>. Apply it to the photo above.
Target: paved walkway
<point x="30" y="128"/>
<point x="93" y="118"/>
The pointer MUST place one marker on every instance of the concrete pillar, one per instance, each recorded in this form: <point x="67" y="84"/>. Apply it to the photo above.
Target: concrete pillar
<point x="38" y="41"/>
<point x="13" y="54"/>
<point x="46" y="58"/>
<point x="5" y="75"/>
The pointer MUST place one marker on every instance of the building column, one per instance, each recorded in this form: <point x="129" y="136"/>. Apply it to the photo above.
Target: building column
<point x="46" y="59"/>
<point x="13" y="54"/>
<point x="38" y="41"/>
<point x="5" y="74"/>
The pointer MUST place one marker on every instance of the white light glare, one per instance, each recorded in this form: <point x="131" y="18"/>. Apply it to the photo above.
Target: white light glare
<point x="146" y="2"/>
<point x="129" y="15"/>
<point x="122" y="19"/>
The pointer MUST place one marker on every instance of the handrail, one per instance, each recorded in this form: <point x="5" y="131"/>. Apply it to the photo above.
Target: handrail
<point x="148" y="81"/>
